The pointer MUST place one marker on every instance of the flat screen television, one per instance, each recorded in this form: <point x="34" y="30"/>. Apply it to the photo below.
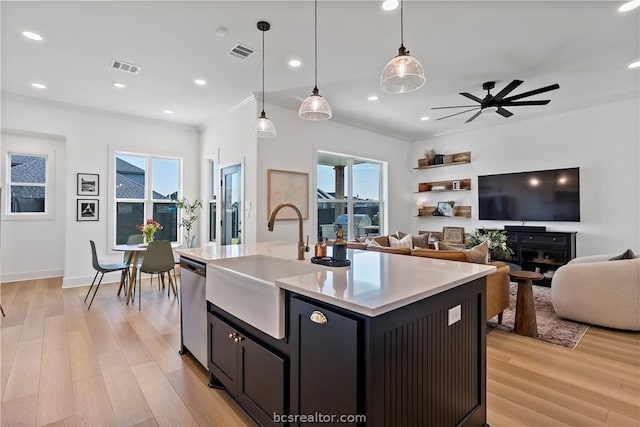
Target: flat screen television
<point x="547" y="195"/>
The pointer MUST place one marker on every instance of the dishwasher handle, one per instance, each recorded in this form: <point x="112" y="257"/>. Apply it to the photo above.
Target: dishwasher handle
<point x="193" y="266"/>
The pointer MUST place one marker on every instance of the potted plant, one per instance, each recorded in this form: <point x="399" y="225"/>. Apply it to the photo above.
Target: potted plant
<point x="190" y="215"/>
<point x="496" y="239"/>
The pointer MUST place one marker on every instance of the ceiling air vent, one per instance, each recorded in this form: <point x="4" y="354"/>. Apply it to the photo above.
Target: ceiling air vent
<point x="240" y="51"/>
<point x="124" y="66"/>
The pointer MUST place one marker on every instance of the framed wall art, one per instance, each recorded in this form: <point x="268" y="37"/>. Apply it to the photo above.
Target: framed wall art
<point x="445" y="208"/>
<point x="453" y="234"/>
<point x="87" y="210"/>
<point x="88" y="184"/>
<point x="288" y="187"/>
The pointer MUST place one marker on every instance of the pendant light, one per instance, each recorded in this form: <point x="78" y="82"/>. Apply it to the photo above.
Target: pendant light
<point x="264" y="126"/>
<point x="403" y="73"/>
<point x="315" y="107"/>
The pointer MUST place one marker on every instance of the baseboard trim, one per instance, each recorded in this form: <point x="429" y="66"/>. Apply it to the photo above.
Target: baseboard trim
<point x="31" y="275"/>
<point x="76" y="282"/>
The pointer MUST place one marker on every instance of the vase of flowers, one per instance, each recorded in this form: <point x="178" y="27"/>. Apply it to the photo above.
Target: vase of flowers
<point x="148" y="229"/>
<point x="496" y="240"/>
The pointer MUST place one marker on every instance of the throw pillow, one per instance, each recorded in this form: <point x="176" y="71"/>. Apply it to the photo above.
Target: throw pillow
<point x="383" y="240"/>
<point x="371" y="242"/>
<point x="419" y="240"/>
<point x="405" y="242"/>
<point x="628" y="254"/>
<point x="477" y="254"/>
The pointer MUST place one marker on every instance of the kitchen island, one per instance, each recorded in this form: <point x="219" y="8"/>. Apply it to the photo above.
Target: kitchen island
<point x="390" y="340"/>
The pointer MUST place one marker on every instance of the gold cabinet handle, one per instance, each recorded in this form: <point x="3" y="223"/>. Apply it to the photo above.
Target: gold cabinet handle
<point x="318" y="317"/>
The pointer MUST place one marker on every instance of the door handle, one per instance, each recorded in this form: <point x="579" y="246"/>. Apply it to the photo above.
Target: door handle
<point x="318" y="317"/>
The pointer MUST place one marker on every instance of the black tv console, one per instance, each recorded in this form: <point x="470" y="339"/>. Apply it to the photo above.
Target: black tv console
<point x="545" y="250"/>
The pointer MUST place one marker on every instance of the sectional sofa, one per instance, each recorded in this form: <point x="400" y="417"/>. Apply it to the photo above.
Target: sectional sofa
<point x="497" y="282"/>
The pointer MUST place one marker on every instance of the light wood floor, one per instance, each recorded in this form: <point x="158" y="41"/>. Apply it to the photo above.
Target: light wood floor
<point x="113" y="365"/>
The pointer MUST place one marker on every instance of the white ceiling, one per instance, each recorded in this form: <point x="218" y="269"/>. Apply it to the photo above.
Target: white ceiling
<point x="583" y="46"/>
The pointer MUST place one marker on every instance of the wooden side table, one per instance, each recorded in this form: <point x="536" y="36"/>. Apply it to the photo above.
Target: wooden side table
<point x="525" y="309"/>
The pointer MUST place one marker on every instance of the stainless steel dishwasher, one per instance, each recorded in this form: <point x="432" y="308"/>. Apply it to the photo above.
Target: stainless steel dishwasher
<point x="193" y="313"/>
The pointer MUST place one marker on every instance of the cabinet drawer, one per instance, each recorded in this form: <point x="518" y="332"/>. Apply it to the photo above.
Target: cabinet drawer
<point x="547" y="240"/>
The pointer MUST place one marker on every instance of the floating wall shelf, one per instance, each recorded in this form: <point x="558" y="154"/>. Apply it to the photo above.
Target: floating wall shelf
<point x="457" y="212"/>
<point x="427" y="187"/>
<point x="457" y="159"/>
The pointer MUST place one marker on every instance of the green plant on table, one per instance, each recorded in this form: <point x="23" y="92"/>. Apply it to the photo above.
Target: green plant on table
<point x="496" y="239"/>
<point x="190" y="214"/>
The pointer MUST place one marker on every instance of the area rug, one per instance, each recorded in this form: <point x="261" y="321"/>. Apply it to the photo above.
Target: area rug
<point x="552" y="329"/>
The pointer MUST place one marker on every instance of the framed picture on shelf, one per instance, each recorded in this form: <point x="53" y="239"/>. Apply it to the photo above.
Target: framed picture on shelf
<point x="453" y="234"/>
<point x="87" y="210"/>
<point x="88" y="184"/>
<point x="445" y="208"/>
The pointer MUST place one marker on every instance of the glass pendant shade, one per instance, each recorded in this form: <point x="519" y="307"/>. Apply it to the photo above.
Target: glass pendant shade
<point x="402" y="74"/>
<point x="315" y="107"/>
<point x="265" y="127"/>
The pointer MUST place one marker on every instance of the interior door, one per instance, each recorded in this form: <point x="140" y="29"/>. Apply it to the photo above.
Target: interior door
<point x="231" y="223"/>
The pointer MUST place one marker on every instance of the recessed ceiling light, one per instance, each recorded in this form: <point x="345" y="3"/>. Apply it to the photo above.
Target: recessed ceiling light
<point x="372" y="98"/>
<point x="38" y="85"/>
<point x="634" y="64"/>
<point x="168" y="112"/>
<point x="424" y="118"/>
<point x="200" y="82"/>
<point x="32" y="36"/>
<point x="630" y="5"/>
<point x="221" y="31"/>
<point x="295" y="63"/>
<point x="390" y="4"/>
<point x="119" y="85"/>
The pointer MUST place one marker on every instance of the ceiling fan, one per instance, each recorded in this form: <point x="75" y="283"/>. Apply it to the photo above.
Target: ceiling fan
<point x="496" y="103"/>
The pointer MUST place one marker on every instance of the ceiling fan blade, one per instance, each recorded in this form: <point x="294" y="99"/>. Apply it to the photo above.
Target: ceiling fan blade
<point x="504" y="113"/>
<point x="468" y="95"/>
<point x="517" y="103"/>
<point x="473" y="117"/>
<point x="507" y="90"/>
<point x="461" y="112"/>
<point x="457" y="106"/>
<point x="532" y="92"/>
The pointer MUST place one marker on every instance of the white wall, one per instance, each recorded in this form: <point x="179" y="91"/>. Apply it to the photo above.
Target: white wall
<point x="603" y="141"/>
<point x="232" y="140"/>
<point x="294" y="149"/>
<point x="91" y="135"/>
<point x="31" y="243"/>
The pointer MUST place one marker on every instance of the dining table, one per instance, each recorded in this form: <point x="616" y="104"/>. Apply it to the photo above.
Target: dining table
<point x="132" y="260"/>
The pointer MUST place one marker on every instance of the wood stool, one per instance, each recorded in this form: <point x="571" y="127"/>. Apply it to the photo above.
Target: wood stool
<point x="525" y="309"/>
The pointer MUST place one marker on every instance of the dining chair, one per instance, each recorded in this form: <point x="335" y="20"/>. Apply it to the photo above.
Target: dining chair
<point x="158" y="259"/>
<point x="133" y="239"/>
<point x="104" y="268"/>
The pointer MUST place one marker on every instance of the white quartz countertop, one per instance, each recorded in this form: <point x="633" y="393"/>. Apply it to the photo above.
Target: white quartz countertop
<point x="374" y="284"/>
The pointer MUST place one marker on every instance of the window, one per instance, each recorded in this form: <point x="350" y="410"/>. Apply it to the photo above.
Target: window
<point x="27" y="183"/>
<point x="213" y="189"/>
<point x="349" y="195"/>
<point x="145" y="188"/>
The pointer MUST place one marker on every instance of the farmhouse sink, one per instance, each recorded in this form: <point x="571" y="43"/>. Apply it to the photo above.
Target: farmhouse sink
<point x="246" y="288"/>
